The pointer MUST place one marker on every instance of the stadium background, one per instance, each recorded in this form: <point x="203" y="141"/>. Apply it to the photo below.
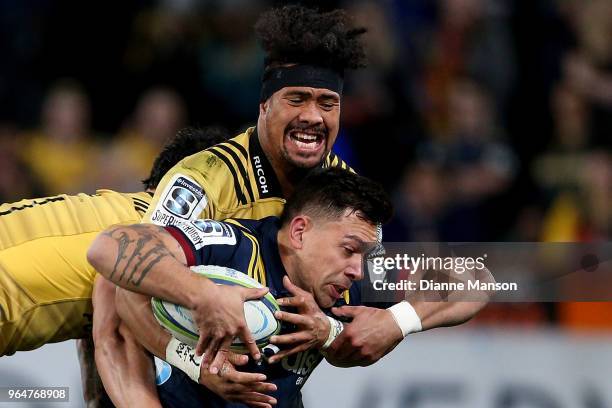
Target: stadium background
<point x="488" y="120"/>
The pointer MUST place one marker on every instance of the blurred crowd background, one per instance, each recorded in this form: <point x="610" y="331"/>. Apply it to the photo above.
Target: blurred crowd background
<point x="488" y="120"/>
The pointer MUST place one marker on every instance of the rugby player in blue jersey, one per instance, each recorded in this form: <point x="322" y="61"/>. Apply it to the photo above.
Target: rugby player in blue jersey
<point x="311" y="257"/>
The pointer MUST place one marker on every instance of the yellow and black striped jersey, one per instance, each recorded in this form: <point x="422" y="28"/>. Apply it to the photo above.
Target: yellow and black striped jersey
<point x="45" y="279"/>
<point x="61" y="215"/>
<point x="233" y="179"/>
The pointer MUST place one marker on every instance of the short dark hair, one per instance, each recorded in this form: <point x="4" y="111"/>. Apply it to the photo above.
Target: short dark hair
<point x="330" y="192"/>
<point x="187" y="141"/>
<point x="300" y="35"/>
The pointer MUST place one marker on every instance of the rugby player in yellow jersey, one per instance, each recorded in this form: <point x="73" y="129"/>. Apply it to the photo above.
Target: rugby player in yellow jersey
<point x="251" y="175"/>
<point x="45" y="280"/>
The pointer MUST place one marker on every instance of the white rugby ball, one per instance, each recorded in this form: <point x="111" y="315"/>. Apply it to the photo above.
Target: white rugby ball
<point x="259" y="314"/>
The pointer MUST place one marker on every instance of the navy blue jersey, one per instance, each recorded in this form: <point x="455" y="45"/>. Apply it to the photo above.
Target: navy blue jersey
<point x="251" y="247"/>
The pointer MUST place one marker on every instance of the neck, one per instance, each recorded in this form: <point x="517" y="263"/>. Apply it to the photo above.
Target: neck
<point x="288" y="178"/>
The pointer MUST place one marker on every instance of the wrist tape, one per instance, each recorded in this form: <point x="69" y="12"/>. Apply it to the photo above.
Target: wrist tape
<point x="335" y="329"/>
<point x="406" y="318"/>
<point x="183" y="357"/>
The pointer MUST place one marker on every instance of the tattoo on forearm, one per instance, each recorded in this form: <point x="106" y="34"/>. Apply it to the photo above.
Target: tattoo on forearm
<point x="139" y="250"/>
<point x="157" y="254"/>
<point x="123" y="241"/>
<point x="135" y="252"/>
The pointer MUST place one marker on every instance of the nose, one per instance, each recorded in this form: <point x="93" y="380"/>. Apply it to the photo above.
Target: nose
<point x="354" y="270"/>
<point x="310" y="114"/>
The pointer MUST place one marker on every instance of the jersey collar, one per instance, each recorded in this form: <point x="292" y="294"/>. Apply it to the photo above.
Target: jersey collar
<point x="265" y="178"/>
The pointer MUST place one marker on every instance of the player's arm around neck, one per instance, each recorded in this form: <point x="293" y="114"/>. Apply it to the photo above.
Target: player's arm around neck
<point x="145" y="258"/>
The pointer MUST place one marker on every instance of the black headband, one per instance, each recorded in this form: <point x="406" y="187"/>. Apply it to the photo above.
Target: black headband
<point x="311" y="76"/>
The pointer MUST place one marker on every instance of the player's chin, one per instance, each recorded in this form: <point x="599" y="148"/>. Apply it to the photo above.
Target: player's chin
<point x="327" y="303"/>
<point x="306" y="161"/>
<point x="327" y="297"/>
<point x="306" y="158"/>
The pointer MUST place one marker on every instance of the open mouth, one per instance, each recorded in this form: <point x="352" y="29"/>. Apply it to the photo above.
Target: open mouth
<point x="307" y="140"/>
<point x="337" y="291"/>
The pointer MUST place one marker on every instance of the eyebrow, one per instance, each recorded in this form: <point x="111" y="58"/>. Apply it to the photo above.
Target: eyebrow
<point x="298" y="93"/>
<point x="331" y="96"/>
<point x="305" y="94"/>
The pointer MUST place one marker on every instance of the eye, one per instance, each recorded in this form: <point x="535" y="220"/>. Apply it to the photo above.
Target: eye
<point x="348" y="251"/>
<point x="327" y="106"/>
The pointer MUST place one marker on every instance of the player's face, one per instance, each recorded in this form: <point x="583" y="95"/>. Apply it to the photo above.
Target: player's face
<point x="300" y="125"/>
<point x="330" y="259"/>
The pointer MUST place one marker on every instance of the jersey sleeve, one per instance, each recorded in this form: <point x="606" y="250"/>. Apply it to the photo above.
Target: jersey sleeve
<point x="189" y="191"/>
<point x="210" y="242"/>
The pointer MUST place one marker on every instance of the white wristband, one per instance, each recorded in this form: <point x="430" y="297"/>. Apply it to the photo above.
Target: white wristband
<point x="406" y="318"/>
<point x="183" y="357"/>
<point x="335" y="329"/>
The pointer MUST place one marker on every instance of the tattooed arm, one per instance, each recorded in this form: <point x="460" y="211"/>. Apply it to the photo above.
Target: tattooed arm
<point x="145" y="258"/>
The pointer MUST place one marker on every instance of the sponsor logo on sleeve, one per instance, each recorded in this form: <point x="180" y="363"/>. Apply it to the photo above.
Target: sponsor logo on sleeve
<point x="182" y="199"/>
<point x="207" y="232"/>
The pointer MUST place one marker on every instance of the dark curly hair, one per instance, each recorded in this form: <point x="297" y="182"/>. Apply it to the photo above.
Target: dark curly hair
<point x="187" y="141"/>
<point x="296" y="34"/>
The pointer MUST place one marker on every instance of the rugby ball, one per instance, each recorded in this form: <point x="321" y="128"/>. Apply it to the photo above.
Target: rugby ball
<point x="259" y="314"/>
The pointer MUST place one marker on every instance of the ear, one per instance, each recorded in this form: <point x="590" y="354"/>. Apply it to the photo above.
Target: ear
<point x="299" y="225"/>
<point x="263" y="107"/>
